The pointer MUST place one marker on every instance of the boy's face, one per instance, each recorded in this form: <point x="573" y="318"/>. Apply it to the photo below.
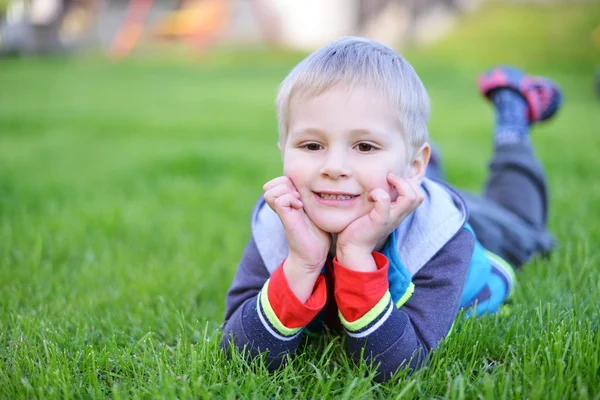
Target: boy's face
<point x="340" y="146"/>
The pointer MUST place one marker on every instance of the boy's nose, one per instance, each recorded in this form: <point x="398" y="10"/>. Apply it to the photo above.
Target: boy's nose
<point x="336" y="167"/>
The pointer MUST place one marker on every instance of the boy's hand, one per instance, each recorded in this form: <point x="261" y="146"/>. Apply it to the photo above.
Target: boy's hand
<point x="358" y="240"/>
<point x="308" y="244"/>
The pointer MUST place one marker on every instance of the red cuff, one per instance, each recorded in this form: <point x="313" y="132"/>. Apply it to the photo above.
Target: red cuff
<point x="288" y="309"/>
<point x="358" y="292"/>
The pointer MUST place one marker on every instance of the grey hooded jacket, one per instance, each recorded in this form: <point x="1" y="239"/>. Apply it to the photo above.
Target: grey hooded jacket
<point x="434" y="248"/>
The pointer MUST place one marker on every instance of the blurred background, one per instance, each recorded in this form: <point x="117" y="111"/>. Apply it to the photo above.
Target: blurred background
<point x="120" y="26"/>
<point x="135" y="137"/>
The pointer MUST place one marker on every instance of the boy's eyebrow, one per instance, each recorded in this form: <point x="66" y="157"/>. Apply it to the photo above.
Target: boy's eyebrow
<point x="308" y="131"/>
<point x="353" y="132"/>
<point x="361" y="132"/>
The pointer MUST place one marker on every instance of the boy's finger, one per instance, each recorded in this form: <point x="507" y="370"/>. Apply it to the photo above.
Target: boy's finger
<point x="287" y="201"/>
<point x="398" y="183"/>
<point x="274" y="182"/>
<point x="412" y="202"/>
<point x="406" y="196"/>
<point x="278" y="191"/>
<point x="382" y="203"/>
<point x="416" y="186"/>
<point x="297" y="204"/>
<point x="280" y="180"/>
<point x="416" y="194"/>
<point x="401" y="184"/>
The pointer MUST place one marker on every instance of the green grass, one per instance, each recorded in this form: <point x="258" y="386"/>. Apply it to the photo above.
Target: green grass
<point x="125" y="194"/>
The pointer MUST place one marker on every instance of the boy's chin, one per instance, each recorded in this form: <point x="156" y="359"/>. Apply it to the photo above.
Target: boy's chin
<point x="330" y="226"/>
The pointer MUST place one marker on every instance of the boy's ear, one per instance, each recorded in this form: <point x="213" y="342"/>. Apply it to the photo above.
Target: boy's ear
<point x="418" y="165"/>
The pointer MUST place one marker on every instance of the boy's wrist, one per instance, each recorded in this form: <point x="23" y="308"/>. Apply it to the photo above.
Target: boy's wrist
<point x="356" y="258"/>
<point x="308" y="267"/>
<point x="301" y="279"/>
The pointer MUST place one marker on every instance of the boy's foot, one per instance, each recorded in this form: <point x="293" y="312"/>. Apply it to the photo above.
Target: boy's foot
<point x="543" y="97"/>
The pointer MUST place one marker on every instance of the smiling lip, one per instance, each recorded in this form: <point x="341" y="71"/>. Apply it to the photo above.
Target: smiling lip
<point x="335" y="198"/>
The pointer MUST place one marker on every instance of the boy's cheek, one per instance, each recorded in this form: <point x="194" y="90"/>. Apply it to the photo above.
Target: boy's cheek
<point x="290" y="170"/>
<point x="287" y="170"/>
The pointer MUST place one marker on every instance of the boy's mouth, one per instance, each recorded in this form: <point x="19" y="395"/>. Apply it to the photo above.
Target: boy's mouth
<point x="336" y="196"/>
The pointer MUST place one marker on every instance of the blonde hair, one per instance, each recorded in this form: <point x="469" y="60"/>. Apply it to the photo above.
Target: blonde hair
<point x="352" y="62"/>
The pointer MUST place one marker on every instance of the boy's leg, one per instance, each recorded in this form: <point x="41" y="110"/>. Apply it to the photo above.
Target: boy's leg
<point x="510" y="221"/>
<point x="517" y="181"/>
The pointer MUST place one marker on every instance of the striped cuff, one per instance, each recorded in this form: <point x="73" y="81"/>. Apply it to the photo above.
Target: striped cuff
<point x="372" y="320"/>
<point x="280" y="311"/>
<point x="357" y="293"/>
<point x="406" y="296"/>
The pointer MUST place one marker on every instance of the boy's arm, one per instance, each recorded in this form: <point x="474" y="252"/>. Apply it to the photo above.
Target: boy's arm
<point x="389" y="335"/>
<point x="262" y="312"/>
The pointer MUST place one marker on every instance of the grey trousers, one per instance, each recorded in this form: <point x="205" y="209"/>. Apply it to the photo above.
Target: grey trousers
<point x="510" y="217"/>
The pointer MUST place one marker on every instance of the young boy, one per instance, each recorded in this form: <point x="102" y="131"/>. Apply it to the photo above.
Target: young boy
<point x="356" y="237"/>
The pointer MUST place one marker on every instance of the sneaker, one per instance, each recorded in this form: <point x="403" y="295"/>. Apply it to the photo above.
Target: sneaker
<point x="542" y="95"/>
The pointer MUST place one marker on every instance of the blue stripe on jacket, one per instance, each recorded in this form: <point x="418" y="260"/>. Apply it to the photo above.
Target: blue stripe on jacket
<point x="482" y="288"/>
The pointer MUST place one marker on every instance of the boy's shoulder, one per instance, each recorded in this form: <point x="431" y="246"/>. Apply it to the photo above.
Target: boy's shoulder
<point x="268" y="234"/>
<point x="434" y="223"/>
<point x="418" y="238"/>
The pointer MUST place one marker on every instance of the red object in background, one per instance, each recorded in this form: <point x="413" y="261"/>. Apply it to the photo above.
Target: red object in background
<point x="199" y="22"/>
<point x="130" y="31"/>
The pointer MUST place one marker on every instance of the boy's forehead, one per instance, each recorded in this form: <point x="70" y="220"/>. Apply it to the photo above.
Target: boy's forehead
<point x="340" y="91"/>
<point x="357" y="109"/>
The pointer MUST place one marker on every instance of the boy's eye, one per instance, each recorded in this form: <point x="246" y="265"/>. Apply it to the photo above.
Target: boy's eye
<point x="312" y="146"/>
<point x="365" y="147"/>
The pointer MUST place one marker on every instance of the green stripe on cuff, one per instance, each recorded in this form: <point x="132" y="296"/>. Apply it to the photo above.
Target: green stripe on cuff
<point x="499" y="260"/>
<point x="270" y="313"/>
<point x="369" y="317"/>
<point x="406" y="296"/>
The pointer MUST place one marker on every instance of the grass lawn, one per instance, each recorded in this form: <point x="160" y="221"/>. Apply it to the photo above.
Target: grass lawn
<point x="125" y="195"/>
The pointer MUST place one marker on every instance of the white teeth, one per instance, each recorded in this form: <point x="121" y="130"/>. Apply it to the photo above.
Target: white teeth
<point x="334" y="196"/>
